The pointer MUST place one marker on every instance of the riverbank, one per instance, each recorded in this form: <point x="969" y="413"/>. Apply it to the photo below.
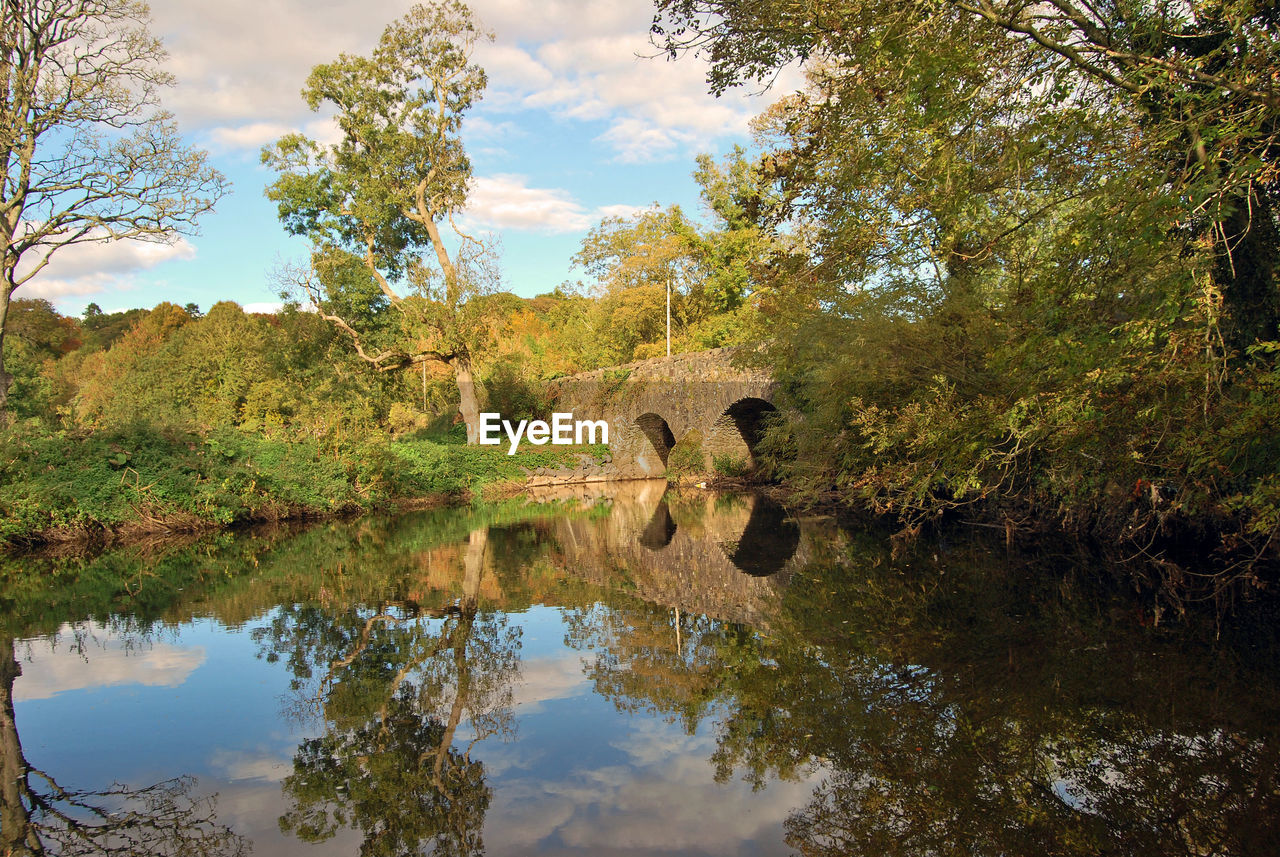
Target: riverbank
<point x="109" y="487"/>
<point x="71" y="491"/>
<point x="1184" y="565"/>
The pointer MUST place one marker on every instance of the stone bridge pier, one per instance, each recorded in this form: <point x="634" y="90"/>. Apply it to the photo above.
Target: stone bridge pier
<point x="692" y="412"/>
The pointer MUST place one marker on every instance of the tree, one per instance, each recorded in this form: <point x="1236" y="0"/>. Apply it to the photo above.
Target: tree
<point x="383" y="191"/>
<point x="37" y="324"/>
<point x="638" y="259"/>
<point x="1196" y="79"/>
<point x="89" y="155"/>
<point x="38" y="337"/>
<point x="1023" y="272"/>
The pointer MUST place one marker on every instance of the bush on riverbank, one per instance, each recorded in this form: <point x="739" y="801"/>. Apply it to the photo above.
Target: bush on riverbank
<point x="142" y="478"/>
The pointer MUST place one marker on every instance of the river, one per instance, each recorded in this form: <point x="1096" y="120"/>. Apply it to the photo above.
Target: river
<point x="628" y="673"/>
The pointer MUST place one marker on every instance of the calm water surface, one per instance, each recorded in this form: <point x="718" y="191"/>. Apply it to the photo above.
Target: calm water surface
<point x="632" y="674"/>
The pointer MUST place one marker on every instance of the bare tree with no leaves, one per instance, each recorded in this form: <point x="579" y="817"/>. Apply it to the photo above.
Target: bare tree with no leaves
<point x="89" y="155"/>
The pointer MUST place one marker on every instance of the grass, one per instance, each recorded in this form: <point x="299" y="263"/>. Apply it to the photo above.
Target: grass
<point x="71" y="485"/>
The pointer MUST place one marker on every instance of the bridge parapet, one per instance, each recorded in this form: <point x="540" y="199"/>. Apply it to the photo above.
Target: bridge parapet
<point x="715" y="364"/>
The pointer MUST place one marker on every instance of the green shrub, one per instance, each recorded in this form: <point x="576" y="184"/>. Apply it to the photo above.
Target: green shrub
<point x="733" y="466"/>
<point x="515" y="395"/>
<point x="687" y="457"/>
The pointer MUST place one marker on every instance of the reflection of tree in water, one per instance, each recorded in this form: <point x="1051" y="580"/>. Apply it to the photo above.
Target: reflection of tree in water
<point x="394" y="685"/>
<point x="650" y="657"/>
<point x="991" y="715"/>
<point x="986" y="713"/>
<point x="38" y="816"/>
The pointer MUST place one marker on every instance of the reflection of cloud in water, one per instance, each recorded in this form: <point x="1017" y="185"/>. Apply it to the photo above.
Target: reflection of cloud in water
<point x="253" y="808"/>
<point x="238" y="765"/>
<point x="547" y="678"/>
<point x="106" y="659"/>
<point x="665" y="800"/>
<point x="542" y="679"/>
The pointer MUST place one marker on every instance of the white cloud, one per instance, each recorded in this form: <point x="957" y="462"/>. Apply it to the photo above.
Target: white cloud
<point x="106" y="659"/>
<point x="617" y="77"/>
<point x="239" y="765"/>
<point x="626" y="212"/>
<point x="244" y="61"/>
<point x="637" y="141"/>
<point x="478" y="127"/>
<point x="255" y="135"/>
<point x="545" y="679"/>
<point x="665" y="799"/>
<point x="513" y="67"/>
<point x="540" y="20"/>
<point x="86" y="269"/>
<point x="241" y="65"/>
<point x="252" y="808"/>
<point x="504" y="201"/>
<point x="250" y="136"/>
<point x="268" y="307"/>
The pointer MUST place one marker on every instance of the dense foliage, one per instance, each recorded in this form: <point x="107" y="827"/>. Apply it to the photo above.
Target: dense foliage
<point x="89" y="156"/>
<point x="185" y="421"/>
<point x="1031" y="257"/>
<point x="1006" y="259"/>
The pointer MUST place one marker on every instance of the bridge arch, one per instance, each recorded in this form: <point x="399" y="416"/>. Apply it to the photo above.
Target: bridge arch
<point x="711" y="402"/>
<point x="737" y="432"/>
<point x="661" y="527"/>
<point x="658" y="431"/>
<point x="767" y="542"/>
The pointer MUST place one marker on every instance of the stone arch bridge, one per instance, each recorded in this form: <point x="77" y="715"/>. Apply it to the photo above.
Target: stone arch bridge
<point x="689" y="411"/>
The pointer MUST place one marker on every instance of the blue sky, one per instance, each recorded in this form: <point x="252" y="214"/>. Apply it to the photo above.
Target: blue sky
<point x="574" y="126"/>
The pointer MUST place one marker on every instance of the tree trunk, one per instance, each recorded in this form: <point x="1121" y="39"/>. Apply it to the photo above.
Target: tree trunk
<point x="468" y="401"/>
<point x="5" y="378"/>
<point x="473" y="564"/>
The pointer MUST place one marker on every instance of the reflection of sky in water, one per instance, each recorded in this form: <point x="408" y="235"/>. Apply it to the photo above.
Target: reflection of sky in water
<point x="580" y="777"/>
<point x="101" y="657"/>
<point x="659" y="795"/>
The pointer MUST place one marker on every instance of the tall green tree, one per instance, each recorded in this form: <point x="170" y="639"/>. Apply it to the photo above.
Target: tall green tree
<point x="643" y="266"/>
<point x="1036" y="256"/>
<point x="1196" y="79"/>
<point x="383" y="192"/>
<point x="89" y="156"/>
<point x="705" y="269"/>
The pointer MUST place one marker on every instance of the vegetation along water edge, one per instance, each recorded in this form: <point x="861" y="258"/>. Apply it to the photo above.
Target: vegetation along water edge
<point x="1007" y="266"/>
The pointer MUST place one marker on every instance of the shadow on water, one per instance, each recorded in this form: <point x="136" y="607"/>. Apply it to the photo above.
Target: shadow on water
<point x="657" y="534"/>
<point x="951" y="700"/>
<point x="768" y="541"/>
<point x="760" y="545"/>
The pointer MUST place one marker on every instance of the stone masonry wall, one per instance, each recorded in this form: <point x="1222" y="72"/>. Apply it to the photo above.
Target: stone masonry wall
<point x="684" y="393"/>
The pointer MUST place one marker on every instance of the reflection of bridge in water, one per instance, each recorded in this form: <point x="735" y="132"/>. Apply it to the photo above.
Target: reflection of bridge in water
<point x="724" y="556"/>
